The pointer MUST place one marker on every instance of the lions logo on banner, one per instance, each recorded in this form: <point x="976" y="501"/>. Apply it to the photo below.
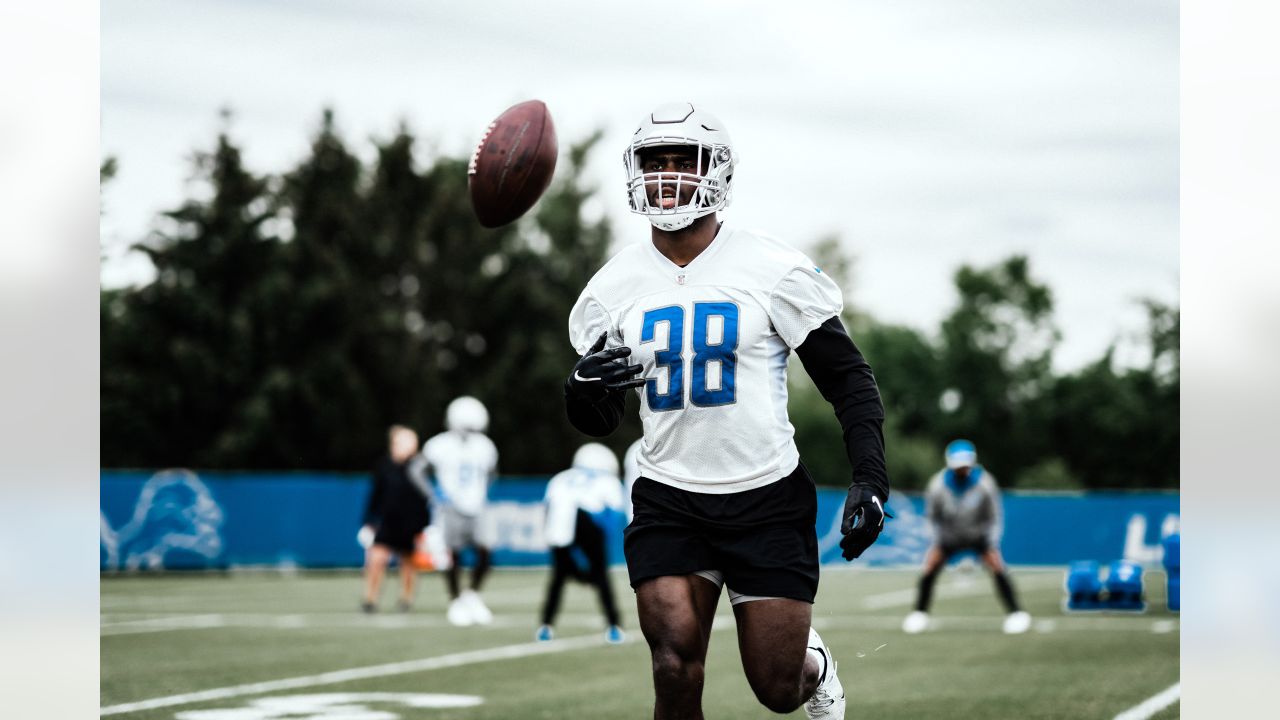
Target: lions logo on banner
<point x="174" y="511"/>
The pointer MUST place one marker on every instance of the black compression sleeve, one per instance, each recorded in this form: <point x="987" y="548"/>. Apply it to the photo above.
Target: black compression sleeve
<point x="845" y="379"/>
<point x="596" y="419"/>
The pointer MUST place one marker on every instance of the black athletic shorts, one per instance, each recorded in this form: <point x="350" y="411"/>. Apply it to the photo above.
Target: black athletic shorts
<point x="978" y="546"/>
<point x="764" y="540"/>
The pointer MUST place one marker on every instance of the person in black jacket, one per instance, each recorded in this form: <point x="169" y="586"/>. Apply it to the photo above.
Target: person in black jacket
<point x="397" y="511"/>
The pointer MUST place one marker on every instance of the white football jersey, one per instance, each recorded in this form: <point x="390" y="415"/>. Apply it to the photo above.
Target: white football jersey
<point x="713" y="338"/>
<point x="463" y="464"/>
<point x="630" y="473"/>
<point x="576" y="489"/>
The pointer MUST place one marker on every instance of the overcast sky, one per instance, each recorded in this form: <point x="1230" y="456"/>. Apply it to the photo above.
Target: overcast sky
<point x="924" y="134"/>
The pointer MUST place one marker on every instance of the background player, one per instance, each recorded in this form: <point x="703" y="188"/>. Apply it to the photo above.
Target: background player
<point x="708" y="313"/>
<point x="396" y="512"/>
<point x="584" y="508"/>
<point x="463" y="462"/>
<point x="962" y="503"/>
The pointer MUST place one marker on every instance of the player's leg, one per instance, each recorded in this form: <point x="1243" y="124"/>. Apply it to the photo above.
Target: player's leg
<point x="773" y="638"/>
<point x="484" y="561"/>
<point x="378" y="556"/>
<point x="999" y="573"/>
<point x="1016" y="620"/>
<point x="454" y="539"/>
<point x="770" y="567"/>
<point x="591" y="539"/>
<point x="408" y="580"/>
<point x="935" y="558"/>
<point x="451" y="578"/>
<point x="675" y="618"/>
<point x="561" y="568"/>
<point x="476" y="538"/>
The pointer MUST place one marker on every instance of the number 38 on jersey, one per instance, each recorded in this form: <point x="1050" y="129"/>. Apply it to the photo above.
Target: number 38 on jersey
<point x="710" y="366"/>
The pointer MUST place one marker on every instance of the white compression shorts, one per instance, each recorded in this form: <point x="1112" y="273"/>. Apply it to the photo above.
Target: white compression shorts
<point x="735" y="598"/>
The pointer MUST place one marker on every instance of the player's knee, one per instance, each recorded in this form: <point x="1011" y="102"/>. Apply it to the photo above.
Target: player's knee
<point x="777" y="696"/>
<point x="673" y="667"/>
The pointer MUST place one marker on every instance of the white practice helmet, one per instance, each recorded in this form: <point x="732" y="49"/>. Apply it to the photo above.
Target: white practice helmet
<point x="682" y="124"/>
<point x="597" y="458"/>
<point x="466" y="413"/>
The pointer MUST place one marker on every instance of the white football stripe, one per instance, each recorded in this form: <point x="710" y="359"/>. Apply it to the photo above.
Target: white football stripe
<point x="505" y="652"/>
<point x="1152" y="705"/>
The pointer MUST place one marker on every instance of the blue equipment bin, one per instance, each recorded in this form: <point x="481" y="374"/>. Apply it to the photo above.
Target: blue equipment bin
<point x="1084" y="586"/>
<point x="1173" y="568"/>
<point x="1124" y="586"/>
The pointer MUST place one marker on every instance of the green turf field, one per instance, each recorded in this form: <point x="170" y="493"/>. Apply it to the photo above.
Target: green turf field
<point x="238" y="646"/>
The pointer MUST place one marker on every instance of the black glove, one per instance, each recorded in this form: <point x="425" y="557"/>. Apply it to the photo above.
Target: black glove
<point x="863" y="520"/>
<point x="600" y="371"/>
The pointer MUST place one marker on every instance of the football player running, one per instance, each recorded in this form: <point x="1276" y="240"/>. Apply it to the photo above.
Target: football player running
<point x="962" y="502"/>
<point x="463" y="461"/>
<point x="699" y="322"/>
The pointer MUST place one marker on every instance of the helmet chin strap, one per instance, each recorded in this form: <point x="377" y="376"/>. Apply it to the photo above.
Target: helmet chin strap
<point x="679" y="221"/>
<point x="671" y="224"/>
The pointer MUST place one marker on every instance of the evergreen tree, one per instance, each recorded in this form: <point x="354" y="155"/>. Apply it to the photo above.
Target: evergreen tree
<point x="180" y="357"/>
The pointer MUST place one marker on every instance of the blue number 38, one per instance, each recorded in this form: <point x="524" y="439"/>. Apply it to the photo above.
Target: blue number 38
<point x="704" y="353"/>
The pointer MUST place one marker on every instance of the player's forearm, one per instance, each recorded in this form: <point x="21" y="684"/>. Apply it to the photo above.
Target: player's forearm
<point x="844" y="378"/>
<point x="864" y="443"/>
<point x="597" y="419"/>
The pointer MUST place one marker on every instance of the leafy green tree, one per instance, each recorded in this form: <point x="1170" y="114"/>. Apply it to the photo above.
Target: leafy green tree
<point x="179" y="356"/>
<point x="1118" y="429"/>
<point x="996" y="354"/>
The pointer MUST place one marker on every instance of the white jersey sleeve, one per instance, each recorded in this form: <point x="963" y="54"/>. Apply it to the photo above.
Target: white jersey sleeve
<point x="804" y="299"/>
<point x="587" y="321"/>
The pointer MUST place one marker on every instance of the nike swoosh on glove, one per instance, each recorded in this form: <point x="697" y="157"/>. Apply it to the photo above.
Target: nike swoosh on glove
<point x="863" y="520"/>
<point x="600" y="371"/>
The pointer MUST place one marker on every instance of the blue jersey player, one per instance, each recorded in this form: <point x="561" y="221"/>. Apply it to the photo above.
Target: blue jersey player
<point x="963" y="505"/>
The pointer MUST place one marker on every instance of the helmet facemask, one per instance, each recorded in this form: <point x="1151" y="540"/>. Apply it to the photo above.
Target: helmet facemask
<point x="708" y="187"/>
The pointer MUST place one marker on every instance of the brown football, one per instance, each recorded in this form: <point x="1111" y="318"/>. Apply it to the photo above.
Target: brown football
<point x="513" y="164"/>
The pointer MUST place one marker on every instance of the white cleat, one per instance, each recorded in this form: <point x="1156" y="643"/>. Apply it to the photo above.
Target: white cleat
<point x="915" y="623"/>
<point x="827" y="702"/>
<point x="480" y="613"/>
<point x="1016" y="623"/>
<point x="459" y="614"/>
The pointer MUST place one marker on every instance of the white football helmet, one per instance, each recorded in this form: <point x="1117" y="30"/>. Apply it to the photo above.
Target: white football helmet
<point x="681" y="124"/>
<point x="596" y="458"/>
<point x="466" y="414"/>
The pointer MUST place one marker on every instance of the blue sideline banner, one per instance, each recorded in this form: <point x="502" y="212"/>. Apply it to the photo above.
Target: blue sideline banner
<point x="179" y="519"/>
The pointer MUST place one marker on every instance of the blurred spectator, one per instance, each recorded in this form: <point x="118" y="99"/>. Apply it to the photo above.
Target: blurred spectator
<point x="463" y="462"/>
<point x="962" y="502"/>
<point x="584" y="507"/>
<point x="397" y="511"/>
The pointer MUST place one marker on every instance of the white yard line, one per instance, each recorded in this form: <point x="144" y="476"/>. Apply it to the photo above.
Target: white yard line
<point x="294" y="621"/>
<point x="1153" y="704"/>
<point x="505" y="652"/>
